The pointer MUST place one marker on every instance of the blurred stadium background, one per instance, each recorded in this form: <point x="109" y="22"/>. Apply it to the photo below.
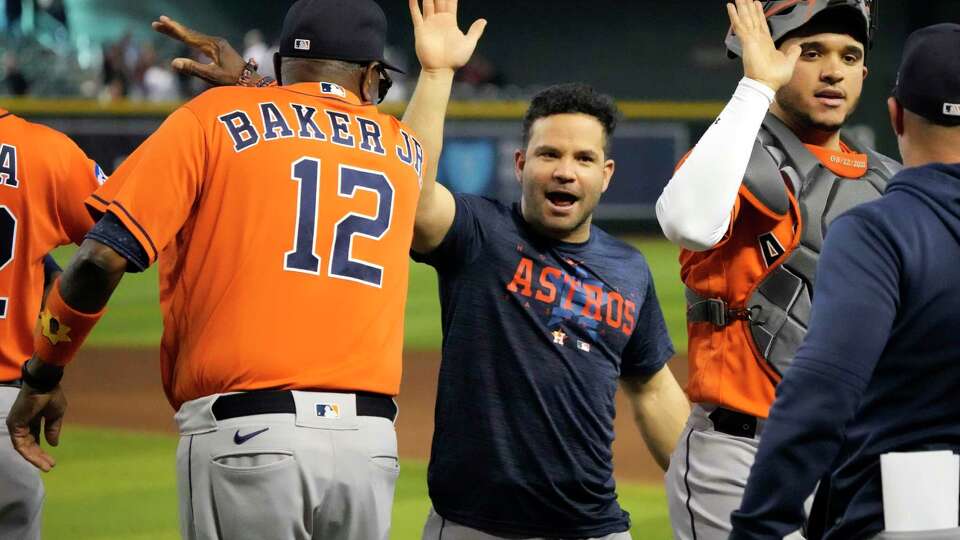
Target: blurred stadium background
<point x="95" y="70"/>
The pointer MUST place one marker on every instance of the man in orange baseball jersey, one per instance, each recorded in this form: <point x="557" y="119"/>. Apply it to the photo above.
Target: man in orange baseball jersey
<point x="750" y="206"/>
<point x="44" y="179"/>
<point x="282" y="218"/>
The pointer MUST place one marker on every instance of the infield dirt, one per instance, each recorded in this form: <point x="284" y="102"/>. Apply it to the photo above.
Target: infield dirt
<point x="121" y="389"/>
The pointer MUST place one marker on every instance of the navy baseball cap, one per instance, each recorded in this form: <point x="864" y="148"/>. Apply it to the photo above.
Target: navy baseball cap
<point x="347" y="30"/>
<point x="928" y="83"/>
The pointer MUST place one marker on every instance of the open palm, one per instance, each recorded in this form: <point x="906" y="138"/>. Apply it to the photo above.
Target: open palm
<point x="762" y="61"/>
<point x="439" y="41"/>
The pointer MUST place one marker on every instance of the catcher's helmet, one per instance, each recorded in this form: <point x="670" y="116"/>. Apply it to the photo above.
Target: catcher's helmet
<point x="785" y="16"/>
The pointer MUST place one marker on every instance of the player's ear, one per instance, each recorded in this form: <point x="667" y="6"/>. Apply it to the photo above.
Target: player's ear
<point x="277" y="63"/>
<point x="519" y="162"/>
<point x="896" y="115"/>
<point x="370" y="84"/>
<point x="608" y="167"/>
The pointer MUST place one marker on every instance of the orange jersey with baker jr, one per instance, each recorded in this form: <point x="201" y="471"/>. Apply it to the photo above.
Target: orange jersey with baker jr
<point x="282" y="219"/>
<point x="725" y="367"/>
<point x="44" y="179"/>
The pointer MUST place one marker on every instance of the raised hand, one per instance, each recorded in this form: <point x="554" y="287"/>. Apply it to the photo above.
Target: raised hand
<point x="440" y="43"/>
<point x="227" y="63"/>
<point x="23" y="422"/>
<point x="762" y="61"/>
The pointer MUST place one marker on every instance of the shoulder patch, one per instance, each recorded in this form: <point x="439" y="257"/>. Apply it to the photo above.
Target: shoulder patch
<point x="770" y="248"/>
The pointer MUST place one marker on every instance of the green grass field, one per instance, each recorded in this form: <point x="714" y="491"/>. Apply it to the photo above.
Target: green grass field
<point x="115" y="485"/>
<point x="133" y="319"/>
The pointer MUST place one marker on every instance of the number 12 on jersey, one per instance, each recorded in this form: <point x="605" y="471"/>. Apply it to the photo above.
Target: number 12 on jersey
<point x="341" y="263"/>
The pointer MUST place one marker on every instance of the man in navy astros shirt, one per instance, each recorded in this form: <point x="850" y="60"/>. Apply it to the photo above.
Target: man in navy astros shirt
<point x="543" y="313"/>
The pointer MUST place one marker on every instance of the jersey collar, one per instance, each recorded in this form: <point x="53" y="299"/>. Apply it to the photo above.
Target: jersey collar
<point x="325" y="90"/>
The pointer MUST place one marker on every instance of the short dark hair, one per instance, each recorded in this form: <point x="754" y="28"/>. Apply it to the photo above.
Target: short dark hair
<point x="572" y="98"/>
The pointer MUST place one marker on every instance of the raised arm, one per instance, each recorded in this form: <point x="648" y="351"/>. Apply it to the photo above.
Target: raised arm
<point x="695" y="208"/>
<point x="441" y="48"/>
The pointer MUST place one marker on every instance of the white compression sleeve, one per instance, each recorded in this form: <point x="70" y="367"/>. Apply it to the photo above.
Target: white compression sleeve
<point x="694" y="209"/>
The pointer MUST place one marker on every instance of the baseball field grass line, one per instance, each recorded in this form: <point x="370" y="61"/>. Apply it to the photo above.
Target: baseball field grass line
<point x="120" y="485"/>
<point x="133" y="315"/>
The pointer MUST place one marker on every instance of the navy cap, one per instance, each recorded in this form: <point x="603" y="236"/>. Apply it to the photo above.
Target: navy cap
<point x="347" y="30"/>
<point x="928" y="83"/>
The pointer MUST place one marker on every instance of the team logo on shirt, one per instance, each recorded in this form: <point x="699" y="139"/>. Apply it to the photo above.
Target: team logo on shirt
<point x="328" y="410"/>
<point x="573" y="298"/>
<point x="770" y="248"/>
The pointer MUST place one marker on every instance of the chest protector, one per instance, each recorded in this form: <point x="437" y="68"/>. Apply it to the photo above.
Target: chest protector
<point x="778" y="308"/>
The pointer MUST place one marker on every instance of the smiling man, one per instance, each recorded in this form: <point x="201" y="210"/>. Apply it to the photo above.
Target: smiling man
<point x="750" y="207"/>
<point x="543" y="313"/>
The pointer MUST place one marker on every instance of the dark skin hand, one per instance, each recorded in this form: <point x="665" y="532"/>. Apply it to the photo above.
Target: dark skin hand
<point x="86" y="285"/>
<point x="227" y="63"/>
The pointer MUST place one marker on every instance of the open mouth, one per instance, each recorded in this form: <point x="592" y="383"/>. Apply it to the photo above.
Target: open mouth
<point x="830" y="97"/>
<point x="561" y="199"/>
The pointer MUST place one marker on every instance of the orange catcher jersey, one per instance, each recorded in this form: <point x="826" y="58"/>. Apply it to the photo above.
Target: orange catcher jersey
<point x="44" y="179"/>
<point x="725" y="368"/>
<point x="282" y="219"/>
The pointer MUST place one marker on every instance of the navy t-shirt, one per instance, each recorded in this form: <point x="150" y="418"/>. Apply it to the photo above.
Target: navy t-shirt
<point x="536" y="333"/>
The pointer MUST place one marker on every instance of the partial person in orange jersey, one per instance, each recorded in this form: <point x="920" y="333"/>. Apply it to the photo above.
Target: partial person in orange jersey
<point x="44" y="180"/>
<point x="282" y="220"/>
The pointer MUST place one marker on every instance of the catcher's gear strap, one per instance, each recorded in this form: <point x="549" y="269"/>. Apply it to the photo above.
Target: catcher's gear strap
<point x="61" y="329"/>
<point x="713" y="310"/>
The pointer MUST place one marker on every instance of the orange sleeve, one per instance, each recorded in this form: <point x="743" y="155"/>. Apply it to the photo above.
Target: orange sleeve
<point x="157" y="186"/>
<point x="75" y="177"/>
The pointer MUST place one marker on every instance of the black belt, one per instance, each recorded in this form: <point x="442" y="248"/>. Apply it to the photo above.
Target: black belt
<point x="281" y="402"/>
<point x="16" y="383"/>
<point x="734" y="423"/>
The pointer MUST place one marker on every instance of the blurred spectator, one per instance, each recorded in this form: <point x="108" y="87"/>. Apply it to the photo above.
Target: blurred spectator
<point x="55" y="8"/>
<point x="116" y="76"/>
<point x="157" y="82"/>
<point x="15" y="82"/>
<point x="13" y="10"/>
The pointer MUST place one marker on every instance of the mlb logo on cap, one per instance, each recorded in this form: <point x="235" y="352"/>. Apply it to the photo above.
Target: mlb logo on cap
<point x="951" y="109"/>
<point x="301" y="44"/>
<point x="328" y="410"/>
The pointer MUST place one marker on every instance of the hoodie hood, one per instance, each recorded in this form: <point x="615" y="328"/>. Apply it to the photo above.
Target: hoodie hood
<point x="938" y="186"/>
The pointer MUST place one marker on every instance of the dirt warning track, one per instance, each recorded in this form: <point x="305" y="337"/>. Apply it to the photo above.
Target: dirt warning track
<point x="121" y="389"/>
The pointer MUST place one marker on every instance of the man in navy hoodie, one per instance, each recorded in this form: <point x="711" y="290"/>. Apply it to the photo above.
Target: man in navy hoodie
<point x="880" y="367"/>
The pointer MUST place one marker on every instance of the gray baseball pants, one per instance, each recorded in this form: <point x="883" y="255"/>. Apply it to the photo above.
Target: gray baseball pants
<point x="21" y="490"/>
<point x="438" y="528"/>
<point x="286" y="476"/>
<point x="707" y="477"/>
